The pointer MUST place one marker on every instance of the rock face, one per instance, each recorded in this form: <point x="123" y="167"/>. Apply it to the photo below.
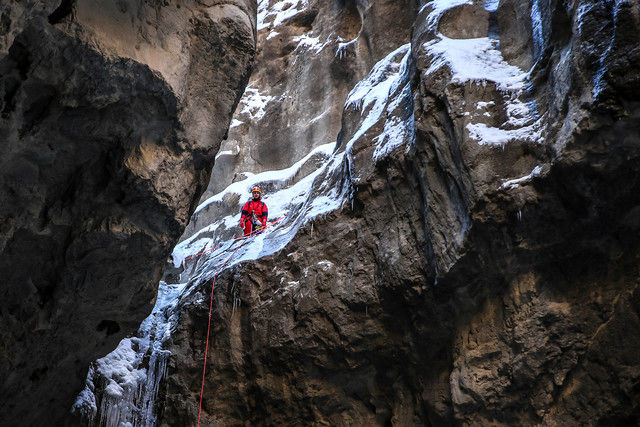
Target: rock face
<point x="310" y="55"/>
<point x="111" y="115"/>
<point x="483" y="268"/>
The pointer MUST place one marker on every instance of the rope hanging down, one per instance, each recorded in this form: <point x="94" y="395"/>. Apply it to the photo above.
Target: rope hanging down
<point x="206" y="347"/>
<point x="213" y="286"/>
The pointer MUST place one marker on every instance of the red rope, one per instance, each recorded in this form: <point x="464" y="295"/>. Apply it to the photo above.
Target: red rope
<point x="213" y="286"/>
<point x="204" y="252"/>
<point x="206" y="347"/>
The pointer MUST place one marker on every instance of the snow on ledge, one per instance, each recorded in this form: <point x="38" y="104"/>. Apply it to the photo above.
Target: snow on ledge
<point x="383" y="92"/>
<point x="513" y="183"/>
<point x="271" y="16"/>
<point x="474" y="60"/>
<point x="242" y="187"/>
<point x="496" y="137"/>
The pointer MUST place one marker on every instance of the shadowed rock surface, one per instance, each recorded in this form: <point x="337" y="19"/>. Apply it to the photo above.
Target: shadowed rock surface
<point x="111" y="115"/>
<point x="484" y="270"/>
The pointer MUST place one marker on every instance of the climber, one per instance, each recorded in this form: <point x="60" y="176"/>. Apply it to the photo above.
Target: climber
<point x="254" y="213"/>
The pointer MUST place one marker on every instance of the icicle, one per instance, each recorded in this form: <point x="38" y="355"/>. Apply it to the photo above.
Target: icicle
<point x="312" y="229"/>
<point x="128" y="399"/>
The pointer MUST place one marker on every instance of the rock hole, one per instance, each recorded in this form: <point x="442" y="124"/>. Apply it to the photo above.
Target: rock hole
<point x="62" y="11"/>
<point x="38" y="373"/>
<point x="37" y="109"/>
<point x="304" y="19"/>
<point x="19" y="55"/>
<point x="110" y="326"/>
<point x="5" y="23"/>
<point x="561" y="26"/>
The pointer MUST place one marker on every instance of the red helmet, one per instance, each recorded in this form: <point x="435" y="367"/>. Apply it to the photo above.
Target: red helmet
<point x="256" y="189"/>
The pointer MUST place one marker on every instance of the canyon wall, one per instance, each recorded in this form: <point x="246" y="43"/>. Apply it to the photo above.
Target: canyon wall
<point x="478" y="262"/>
<point x="111" y="116"/>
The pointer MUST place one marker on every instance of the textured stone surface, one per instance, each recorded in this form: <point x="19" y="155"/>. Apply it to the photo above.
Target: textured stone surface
<point x="468" y="281"/>
<point x="111" y="115"/>
<point x="305" y="67"/>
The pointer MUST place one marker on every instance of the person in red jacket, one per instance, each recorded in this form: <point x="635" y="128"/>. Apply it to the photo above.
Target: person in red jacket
<point x="254" y="213"/>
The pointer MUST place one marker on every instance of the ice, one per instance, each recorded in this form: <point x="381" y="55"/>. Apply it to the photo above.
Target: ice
<point x="133" y="371"/>
<point x="491" y="5"/>
<point x="372" y="96"/>
<point x="537" y="29"/>
<point x="342" y="47"/>
<point x="513" y="183"/>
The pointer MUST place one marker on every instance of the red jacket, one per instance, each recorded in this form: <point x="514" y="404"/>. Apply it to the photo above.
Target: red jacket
<point x="251" y="207"/>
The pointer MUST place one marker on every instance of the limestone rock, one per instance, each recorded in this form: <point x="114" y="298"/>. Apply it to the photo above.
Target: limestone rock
<point x="111" y="115"/>
<point x="484" y="268"/>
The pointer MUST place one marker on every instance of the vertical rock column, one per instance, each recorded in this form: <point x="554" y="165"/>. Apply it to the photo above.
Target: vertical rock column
<point x="110" y="117"/>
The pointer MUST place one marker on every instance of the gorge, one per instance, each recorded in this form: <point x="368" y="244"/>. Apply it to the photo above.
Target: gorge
<point x="453" y="190"/>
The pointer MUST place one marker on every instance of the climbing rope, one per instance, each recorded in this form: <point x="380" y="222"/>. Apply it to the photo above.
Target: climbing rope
<point x="206" y="347"/>
<point x="213" y="286"/>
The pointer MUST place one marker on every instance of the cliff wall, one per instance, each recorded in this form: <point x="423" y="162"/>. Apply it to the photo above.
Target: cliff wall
<point x="111" y="114"/>
<point x="467" y="254"/>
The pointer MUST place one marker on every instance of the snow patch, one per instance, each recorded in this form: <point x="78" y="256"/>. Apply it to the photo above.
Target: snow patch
<point x="479" y="60"/>
<point x="254" y="104"/>
<point x="306" y="42"/>
<point x="493" y="136"/>
<point x="271" y="16"/>
<point x="474" y="60"/>
<point x="383" y="92"/>
<point x="513" y="183"/>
